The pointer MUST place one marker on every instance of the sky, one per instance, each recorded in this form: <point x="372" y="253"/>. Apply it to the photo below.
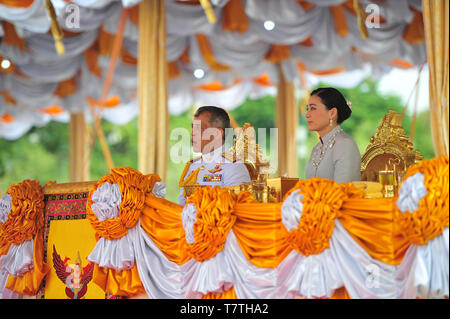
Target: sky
<point x="401" y="82"/>
<point x="397" y="81"/>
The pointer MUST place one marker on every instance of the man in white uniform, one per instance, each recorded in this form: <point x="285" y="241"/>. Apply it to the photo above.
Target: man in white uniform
<point x="211" y="168"/>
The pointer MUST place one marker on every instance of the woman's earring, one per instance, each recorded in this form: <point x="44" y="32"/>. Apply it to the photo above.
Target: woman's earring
<point x="331" y="122"/>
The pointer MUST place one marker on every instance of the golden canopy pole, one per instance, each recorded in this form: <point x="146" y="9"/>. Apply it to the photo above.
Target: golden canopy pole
<point x="287" y="114"/>
<point x="153" y="122"/>
<point x="436" y="23"/>
<point x="78" y="148"/>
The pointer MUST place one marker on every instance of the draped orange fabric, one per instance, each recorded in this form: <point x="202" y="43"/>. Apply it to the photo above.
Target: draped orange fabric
<point x="340" y="22"/>
<point x="399" y="63"/>
<point x="66" y="87"/>
<point x="208" y="54"/>
<point x="26" y="216"/>
<point x="110" y="102"/>
<point x="227" y="294"/>
<point x="105" y="42"/>
<point x="161" y="220"/>
<point x="278" y="53"/>
<point x="321" y="205"/>
<point x="52" y="110"/>
<point x="260" y="233"/>
<point x="214" y="221"/>
<point x="216" y="85"/>
<point x="11" y="37"/>
<point x="133" y="14"/>
<point x="234" y="17"/>
<point x="25" y="222"/>
<point x="30" y="282"/>
<point x="7" y="118"/>
<point x="127" y="57"/>
<point x="263" y="80"/>
<point x="7" y="97"/>
<point x="415" y="31"/>
<point x="17" y="3"/>
<point x="308" y="42"/>
<point x="375" y="224"/>
<point x="122" y="283"/>
<point x="306" y="5"/>
<point x="173" y="70"/>
<point x="302" y="68"/>
<point x="370" y="223"/>
<point x="91" y="58"/>
<point x="340" y="293"/>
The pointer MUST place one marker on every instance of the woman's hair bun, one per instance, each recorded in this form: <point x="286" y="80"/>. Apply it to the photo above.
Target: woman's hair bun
<point x="331" y="98"/>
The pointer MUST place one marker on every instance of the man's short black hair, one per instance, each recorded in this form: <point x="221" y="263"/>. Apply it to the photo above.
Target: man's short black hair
<point x="219" y="117"/>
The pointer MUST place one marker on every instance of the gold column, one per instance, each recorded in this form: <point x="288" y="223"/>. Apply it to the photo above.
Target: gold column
<point x="153" y="122"/>
<point x="287" y="122"/>
<point x="78" y="148"/>
<point x="435" y="18"/>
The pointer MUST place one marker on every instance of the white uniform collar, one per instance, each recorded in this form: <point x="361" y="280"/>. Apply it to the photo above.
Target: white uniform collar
<point x="213" y="157"/>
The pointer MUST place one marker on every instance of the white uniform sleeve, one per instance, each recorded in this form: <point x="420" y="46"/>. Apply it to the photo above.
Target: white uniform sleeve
<point x="181" y="199"/>
<point x="236" y="174"/>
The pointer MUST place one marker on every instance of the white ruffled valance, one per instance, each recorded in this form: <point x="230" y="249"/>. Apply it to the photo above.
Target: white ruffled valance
<point x="411" y="191"/>
<point x="19" y="259"/>
<point x="188" y="218"/>
<point x="5" y="207"/>
<point x="244" y="52"/>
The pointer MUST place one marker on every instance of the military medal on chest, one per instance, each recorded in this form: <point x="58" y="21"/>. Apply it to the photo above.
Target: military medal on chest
<point x="213" y="177"/>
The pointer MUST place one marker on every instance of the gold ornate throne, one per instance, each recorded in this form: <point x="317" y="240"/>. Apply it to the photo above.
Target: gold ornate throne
<point x="389" y="149"/>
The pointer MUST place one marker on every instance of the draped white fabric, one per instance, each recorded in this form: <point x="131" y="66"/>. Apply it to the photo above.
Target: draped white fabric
<point x="423" y="272"/>
<point x="159" y="189"/>
<point x="430" y="278"/>
<point x="19" y="259"/>
<point x="16" y="262"/>
<point x="188" y="218"/>
<point x="411" y="191"/>
<point x="430" y="265"/>
<point x="243" y="52"/>
<point x="116" y="253"/>
<point x="5" y="207"/>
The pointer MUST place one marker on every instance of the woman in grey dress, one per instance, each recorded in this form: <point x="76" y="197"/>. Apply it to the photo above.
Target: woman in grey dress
<point x="336" y="156"/>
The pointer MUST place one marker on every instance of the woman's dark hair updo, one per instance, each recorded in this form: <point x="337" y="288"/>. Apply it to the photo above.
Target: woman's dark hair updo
<point x="333" y="98"/>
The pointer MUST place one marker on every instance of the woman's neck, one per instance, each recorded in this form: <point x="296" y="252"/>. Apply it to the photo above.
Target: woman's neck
<point x="326" y="130"/>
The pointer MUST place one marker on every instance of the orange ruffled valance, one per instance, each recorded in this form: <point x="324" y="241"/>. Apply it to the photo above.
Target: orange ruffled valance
<point x="134" y="188"/>
<point x="429" y="220"/>
<point x="375" y="224"/>
<point x="25" y="222"/>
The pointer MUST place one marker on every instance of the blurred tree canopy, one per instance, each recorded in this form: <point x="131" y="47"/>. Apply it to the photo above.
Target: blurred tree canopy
<point x="43" y="153"/>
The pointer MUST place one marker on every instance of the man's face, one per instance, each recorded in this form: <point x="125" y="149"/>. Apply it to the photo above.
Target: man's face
<point x="205" y="137"/>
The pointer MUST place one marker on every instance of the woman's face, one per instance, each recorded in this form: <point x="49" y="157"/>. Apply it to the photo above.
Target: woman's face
<point x="318" y="116"/>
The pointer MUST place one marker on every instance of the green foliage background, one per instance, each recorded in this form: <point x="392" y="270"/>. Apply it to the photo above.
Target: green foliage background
<point x="43" y="153"/>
